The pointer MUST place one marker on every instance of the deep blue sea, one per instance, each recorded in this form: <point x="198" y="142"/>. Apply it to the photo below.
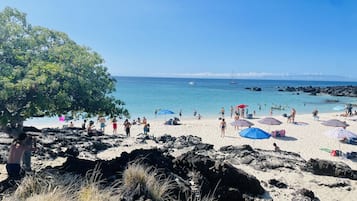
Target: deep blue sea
<point x="142" y="95"/>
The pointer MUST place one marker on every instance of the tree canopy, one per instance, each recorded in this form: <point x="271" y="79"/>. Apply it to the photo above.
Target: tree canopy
<point x="44" y="72"/>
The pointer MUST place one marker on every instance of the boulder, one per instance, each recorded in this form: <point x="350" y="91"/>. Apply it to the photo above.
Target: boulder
<point x="329" y="168"/>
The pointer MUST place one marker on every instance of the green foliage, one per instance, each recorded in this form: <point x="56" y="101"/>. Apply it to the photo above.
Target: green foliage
<point x="44" y="72"/>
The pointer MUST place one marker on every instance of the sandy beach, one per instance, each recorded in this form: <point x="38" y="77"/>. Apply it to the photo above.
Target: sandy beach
<point x="306" y="137"/>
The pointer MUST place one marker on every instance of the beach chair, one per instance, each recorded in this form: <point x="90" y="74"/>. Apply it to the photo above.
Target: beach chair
<point x="278" y="133"/>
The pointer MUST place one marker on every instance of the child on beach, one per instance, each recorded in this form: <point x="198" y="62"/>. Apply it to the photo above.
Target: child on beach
<point x="102" y="123"/>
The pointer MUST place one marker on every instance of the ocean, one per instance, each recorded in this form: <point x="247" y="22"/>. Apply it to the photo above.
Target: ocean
<point x="143" y="95"/>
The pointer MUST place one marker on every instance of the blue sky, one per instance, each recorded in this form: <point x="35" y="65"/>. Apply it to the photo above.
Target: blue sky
<point x="208" y="37"/>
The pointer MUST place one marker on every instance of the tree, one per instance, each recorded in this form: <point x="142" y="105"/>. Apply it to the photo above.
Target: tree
<point x="45" y="73"/>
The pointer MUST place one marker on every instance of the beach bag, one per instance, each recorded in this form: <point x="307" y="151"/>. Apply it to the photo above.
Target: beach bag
<point x="351" y="155"/>
<point x="336" y="153"/>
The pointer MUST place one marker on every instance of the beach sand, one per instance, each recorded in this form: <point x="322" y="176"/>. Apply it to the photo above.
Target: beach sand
<point x="306" y="138"/>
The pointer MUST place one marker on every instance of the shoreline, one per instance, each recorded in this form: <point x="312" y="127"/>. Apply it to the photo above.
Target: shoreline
<point x="306" y="138"/>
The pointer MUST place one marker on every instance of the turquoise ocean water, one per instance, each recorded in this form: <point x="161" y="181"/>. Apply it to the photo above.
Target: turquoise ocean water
<point x="143" y="95"/>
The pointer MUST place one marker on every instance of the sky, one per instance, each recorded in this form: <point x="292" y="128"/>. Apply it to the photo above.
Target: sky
<point x="209" y="38"/>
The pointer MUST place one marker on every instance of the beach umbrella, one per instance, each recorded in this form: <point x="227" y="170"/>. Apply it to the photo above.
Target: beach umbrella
<point x="335" y="123"/>
<point x="242" y="106"/>
<point x="270" y="121"/>
<point x="254" y="133"/>
<point x="242" y="123"/>
<point x="165" y="112"/>
<point x="340" y="133"/>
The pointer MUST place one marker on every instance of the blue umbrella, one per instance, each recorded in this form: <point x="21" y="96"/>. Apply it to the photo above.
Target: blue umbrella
<point x="165" y="112"/>
<point x="254" y="133"/>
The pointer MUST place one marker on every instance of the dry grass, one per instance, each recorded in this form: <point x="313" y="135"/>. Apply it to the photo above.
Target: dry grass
<point x="138" y="179"/>
<point x="46" y="186"/>
<point x="91" y="190"/>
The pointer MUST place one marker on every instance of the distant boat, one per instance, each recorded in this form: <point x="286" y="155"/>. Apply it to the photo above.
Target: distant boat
<point x="232" y="79"/>
<point x="191" y="83"/>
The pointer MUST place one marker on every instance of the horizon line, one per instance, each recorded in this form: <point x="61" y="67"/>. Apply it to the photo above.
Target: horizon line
<point x="249" y="76"/>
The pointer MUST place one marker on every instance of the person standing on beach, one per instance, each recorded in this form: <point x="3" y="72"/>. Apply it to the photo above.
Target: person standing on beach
<point x="17" y="149"/>
<point x="127" y="126"/>
<point x="29" y="142"/>
<point x="180" y="114"/>
<point x="236" y="118"/>
<point x="115" y="125"/>
<point x="102" y="123"/>
<point x="293" y="113"/>
<point x="146" y="128"/>
<point x="84" y="124"/>
<point x="223" y="126"/>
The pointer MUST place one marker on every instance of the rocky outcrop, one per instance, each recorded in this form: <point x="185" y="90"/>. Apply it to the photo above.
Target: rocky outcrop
<point x="329" y="168"/>
<point x="262" y="160"/>
<point x="349" y="91"/>
<point x="254" y="88"/>
<point x="305" y="195"/>
<point x="230" y="183"/>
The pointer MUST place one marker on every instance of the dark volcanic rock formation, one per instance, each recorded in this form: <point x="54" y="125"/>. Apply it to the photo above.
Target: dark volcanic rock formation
<point x="350" y="91"/>
<point x="230" y="183"/>
<point x="329" y="168"/>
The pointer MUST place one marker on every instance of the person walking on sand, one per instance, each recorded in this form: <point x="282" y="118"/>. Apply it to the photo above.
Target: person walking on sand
<point x="223" y="126"/>
<point x="17" y="149"/>
<point x="115" y="125"/>
<point x="127" y="126"/>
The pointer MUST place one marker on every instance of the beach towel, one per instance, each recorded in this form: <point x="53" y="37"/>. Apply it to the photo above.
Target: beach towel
<point x="326" y="150"/>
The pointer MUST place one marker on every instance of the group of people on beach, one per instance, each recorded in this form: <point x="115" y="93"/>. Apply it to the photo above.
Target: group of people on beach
<point x="91" y="130"/>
